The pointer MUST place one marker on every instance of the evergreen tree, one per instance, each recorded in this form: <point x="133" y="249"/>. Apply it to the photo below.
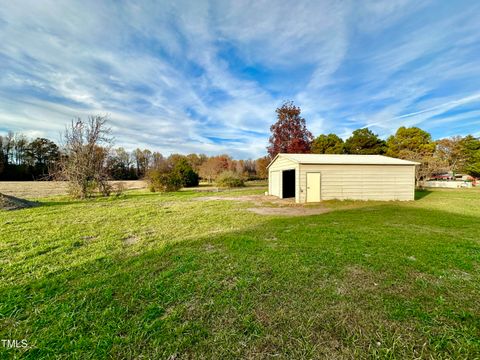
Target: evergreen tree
<point x="364" y="142"/>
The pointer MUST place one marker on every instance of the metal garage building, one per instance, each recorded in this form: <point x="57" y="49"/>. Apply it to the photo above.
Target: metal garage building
<point x="317" y="177"/>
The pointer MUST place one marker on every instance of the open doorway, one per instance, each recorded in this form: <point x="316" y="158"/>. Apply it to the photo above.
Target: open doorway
<point x="288" y="181"/>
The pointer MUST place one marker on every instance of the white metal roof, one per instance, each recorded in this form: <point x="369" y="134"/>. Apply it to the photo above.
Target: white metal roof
<point x="344" y="159"/>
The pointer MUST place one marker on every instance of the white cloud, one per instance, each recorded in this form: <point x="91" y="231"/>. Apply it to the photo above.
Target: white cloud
<point x="171" y="74"/>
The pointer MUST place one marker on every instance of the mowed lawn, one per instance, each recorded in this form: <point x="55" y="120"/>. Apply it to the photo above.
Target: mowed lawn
<point x="148" y="275"/>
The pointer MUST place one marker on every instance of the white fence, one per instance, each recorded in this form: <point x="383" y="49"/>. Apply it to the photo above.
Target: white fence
<point x="447" y="184"/>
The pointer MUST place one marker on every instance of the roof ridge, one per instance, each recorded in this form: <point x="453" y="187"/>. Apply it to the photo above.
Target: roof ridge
<point x="349" y="159"/>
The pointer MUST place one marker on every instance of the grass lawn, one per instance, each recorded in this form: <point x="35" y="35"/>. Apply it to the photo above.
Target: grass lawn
<point x="161" y="275"/>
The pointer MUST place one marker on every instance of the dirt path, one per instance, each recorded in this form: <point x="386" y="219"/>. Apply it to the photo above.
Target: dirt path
<point x="271" y="205"/>
<point x="289" y="211"/>
<point x="256" y="199"/>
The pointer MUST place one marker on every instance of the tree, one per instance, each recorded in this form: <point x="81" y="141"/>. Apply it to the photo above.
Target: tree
<point x="157" y="160"/>
<point x="196" y="160"/>
<point x="43" y="155"/>
<point x="471" y="150"/>
<point x="172" y="174"/>
<point x="143" y="159"/>
<point x="215" y="165"/>
<point x="245" y="168"/>
<point x="3" y="159"/>
<point x="364" y="142"/>
<point x="415" y="144"/>
<point x="20" y="149"/>
<point x="120" y="165"/>
<point x="163" y="180"/>
<point x="411" y="139"/>
<point x="8" y="143"/>
<point x="429" y="164"/>
<point x="22" y="159"/>
<point x="451" y="150"/>
<point x="327" y="144"/>
<point x="87" y="145"/>
<point x="189" y="178"/>
<point x="261" y="167"/>
<point x="289" y="133"/>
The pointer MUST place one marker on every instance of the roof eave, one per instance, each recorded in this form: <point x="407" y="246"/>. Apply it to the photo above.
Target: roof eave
<point x="276" y="156"/>
<point x="339" y="163"/>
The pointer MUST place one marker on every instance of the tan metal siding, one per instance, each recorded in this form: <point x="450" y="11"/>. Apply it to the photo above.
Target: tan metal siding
<point x="279" y="165"/>
<point x="362" y="182"/>
<point x="282" y="163"/>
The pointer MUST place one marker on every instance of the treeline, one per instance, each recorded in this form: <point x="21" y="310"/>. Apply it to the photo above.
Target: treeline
<point x="38" y="159"/>
<point x="457" y="154"/>
<point x="26" y="159"/>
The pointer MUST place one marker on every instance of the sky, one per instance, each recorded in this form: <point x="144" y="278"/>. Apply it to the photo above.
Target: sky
<point x="207" y="76"/>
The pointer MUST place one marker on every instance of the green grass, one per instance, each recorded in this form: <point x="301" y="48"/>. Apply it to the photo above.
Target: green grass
<point x="161" y="275"/>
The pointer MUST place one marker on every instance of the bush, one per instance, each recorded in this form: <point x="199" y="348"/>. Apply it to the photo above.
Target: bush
<point x="119" y="188"/>
<point x="164" y="181"/>
<point x="230" y="179"/>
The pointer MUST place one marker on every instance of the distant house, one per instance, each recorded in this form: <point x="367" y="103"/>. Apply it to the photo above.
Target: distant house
<point x="450" y="175"/>
<point x="442" y="176"/>
<point x="317" y="177"/>
<point x="450" y="180"/>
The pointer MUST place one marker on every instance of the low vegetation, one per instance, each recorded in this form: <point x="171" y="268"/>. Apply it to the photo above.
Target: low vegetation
<point x="230" y="179"/>
<point x="172" y="175"/>
<point x="164" y="181"/>
<point x="175" y="275"/>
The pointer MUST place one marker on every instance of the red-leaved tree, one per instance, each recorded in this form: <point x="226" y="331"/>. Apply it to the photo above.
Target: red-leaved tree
<point x="289" y="133"/>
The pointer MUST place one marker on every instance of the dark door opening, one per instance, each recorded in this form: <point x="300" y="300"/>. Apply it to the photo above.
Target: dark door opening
<point x="288" y="183"/>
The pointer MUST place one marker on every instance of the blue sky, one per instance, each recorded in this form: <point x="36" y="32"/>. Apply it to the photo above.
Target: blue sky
<point x="206" y="76"/>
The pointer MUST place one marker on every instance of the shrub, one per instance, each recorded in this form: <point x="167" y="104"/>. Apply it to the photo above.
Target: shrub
<point x="164" y="181"/>
<point x="230" y="179"/>
<point x="119" y="188"/>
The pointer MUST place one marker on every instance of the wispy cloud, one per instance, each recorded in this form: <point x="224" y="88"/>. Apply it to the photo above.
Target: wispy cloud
<point x="206" y="76"/>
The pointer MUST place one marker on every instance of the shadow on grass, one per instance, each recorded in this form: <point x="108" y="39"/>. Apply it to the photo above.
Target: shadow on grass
<point x="278" y="287"/>
<point x="421" y="193"/>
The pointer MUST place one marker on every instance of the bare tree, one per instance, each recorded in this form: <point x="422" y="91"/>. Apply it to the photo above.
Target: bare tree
<point x="143" y="160"/>
<point x="429" y="164"/>
<point x="87" y="145"/>
<point x="8" y="143"/>
<point x="214" y="166"/>
<point x="2" y="156"/>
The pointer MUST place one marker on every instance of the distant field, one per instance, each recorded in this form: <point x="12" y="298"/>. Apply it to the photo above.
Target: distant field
<point x="41" y="189"/>
<point x="193" y="275"/>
